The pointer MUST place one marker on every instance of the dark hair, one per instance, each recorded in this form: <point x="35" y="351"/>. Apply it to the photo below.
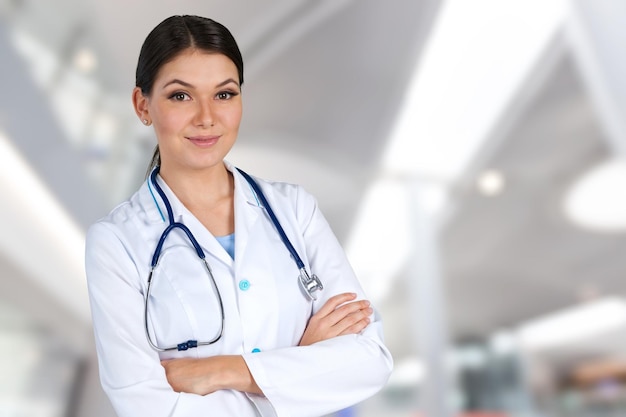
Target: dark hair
<point x="173" y="36"/>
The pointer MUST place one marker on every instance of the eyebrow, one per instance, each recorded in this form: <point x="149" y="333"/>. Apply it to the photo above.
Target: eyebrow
<point x="186" y="84"/>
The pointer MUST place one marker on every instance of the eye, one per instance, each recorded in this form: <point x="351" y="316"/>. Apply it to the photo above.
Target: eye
<point x="180" y="96"/>
<point x="226" y="95"/>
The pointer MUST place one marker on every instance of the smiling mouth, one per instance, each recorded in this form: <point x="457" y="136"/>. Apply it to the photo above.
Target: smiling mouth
<point x="203" y="141"/>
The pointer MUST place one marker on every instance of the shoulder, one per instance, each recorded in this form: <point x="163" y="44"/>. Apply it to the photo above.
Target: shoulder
<point x="281" y="189"/>
<point x="290" y="202"/>
<point x="285" y="193"/>
<point x="121" y="220"/>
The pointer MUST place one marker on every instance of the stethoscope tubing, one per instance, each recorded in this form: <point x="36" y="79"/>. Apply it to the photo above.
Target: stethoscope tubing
<point x="173" y="225"/>
<point x="155" y="259"/>
<point x="270" y="212"/>
<point x="309" y="283"/>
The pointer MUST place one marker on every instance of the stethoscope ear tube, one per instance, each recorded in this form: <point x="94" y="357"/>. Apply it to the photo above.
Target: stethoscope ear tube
<point x="310" y="283"/>
<point x="155" y="260"/>
<point x="145" y="314"/>
<point x="173" y="225"/>
<point x="270" y="212"/>
<point x="194" y="242"/>
<point x="189" y="344"/>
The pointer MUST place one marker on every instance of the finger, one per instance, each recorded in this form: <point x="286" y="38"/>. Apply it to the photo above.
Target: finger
<point x="356" y="327"/>
<point x="333" y="302"/>
<point x="347" y="309"/>
<point x="352" y="319"/>
<point x="166" y="364"/>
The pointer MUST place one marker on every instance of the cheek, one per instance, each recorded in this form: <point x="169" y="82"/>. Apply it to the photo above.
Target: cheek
<point x="168" y="122"/>
<point x="233" y="118"/>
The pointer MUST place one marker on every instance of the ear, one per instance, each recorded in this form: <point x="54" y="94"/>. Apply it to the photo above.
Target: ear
<point x="140" y="103"/>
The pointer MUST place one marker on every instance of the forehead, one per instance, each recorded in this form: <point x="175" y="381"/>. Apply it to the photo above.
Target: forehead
<point x="196" y="66"/>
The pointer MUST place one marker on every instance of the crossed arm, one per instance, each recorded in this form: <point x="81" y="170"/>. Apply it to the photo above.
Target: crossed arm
<point x="339" y="316"/>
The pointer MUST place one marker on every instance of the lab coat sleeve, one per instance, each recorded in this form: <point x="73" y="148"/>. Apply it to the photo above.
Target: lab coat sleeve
<point x="130" y="371"/>
<point x="332" y="374"/>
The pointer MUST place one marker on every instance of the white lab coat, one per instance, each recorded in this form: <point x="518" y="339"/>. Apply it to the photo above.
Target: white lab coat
<point x="270" y="315"/>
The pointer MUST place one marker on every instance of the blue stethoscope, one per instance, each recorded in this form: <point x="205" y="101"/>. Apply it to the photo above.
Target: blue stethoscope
<point x="309" y="283"/>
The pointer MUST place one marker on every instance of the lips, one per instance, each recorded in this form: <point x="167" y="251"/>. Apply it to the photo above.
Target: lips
<point x="203" y="141"/>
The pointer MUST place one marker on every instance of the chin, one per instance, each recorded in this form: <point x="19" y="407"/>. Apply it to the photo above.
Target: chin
<point x="206" y="163"/>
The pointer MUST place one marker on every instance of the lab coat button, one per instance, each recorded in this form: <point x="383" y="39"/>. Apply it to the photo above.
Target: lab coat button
<point x="256" y="350"/>
<point x="244" y="285"/>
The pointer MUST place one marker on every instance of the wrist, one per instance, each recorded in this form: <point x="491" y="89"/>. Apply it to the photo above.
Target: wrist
<point x="236" y="375"/>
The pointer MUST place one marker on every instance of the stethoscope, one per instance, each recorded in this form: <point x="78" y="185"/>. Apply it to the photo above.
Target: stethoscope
<point x="309" y="283"/>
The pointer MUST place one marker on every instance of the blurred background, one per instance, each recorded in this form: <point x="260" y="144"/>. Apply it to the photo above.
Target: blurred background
<point x="468" y="154"/>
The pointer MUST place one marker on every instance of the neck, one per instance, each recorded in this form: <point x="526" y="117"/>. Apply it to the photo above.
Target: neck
<point x="199" y="189"/>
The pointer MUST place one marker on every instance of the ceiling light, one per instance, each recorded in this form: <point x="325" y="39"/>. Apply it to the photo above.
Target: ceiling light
<point x="597" y="201"/>
<point x="40" y="224"/>
<point x="382" y="218"/>
<point x="490" y="183"/>
<point x="575" y="324"/>
<point x="85" y="60"/>
<point x="447" y="114"/>
<point x="42" y="62"/>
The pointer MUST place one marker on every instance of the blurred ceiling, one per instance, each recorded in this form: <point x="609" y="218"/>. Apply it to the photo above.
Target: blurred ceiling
<point x="515" y="256"/>
<point x="324" y="83"/>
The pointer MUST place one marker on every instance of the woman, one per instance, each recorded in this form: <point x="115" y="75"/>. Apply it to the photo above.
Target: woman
<point x="264" y="345"/>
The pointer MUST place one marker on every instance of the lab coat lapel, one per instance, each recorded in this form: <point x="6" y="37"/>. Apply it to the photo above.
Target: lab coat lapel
<point x="247" y="213"/>
<point x="181" y="214"/>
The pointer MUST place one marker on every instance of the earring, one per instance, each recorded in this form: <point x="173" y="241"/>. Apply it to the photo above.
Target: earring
<point x="145" y="122"/>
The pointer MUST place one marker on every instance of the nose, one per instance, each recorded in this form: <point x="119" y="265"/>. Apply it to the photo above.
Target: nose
<point x="205" y="115"/>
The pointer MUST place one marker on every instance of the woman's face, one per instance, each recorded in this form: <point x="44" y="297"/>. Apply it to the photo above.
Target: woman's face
<point x="195" y="107"/>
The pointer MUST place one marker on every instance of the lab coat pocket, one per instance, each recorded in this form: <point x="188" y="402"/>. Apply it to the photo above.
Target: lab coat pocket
<point x="184" y="303"/>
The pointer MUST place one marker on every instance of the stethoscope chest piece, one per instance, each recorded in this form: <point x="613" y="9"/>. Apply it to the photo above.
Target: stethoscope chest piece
<point x="310" y="284"/>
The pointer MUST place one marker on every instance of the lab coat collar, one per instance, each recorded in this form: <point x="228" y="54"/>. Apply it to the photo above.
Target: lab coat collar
<point x="242" y="188"/>
<point x="247" y="213"/>
<point x="246" y="205"/>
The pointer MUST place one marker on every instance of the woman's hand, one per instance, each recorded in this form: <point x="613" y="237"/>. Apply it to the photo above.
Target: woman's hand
<point x="335" y="319"/>
<point x="339" y="316"/>
<point x="206" y="375"/>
